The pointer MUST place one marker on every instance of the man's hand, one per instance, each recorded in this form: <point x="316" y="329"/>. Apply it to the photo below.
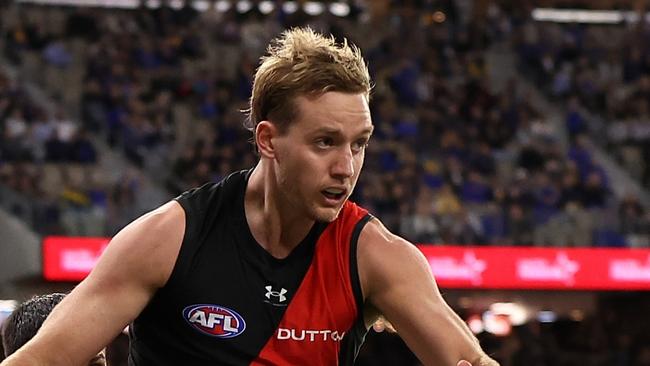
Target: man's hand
<point x="485" y="361"/>
<point x="382" y="324"/>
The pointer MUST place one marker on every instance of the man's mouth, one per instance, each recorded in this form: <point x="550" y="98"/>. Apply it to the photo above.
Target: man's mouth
<point x="334" y="193"/>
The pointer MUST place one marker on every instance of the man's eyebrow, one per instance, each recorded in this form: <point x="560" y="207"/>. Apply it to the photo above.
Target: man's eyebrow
<point x="369" y="130"/>
<point x="326" y="130"/>
<point x="334" y="131"/>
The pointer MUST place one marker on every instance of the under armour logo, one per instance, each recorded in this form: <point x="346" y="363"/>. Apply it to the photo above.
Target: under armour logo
<point x="279" y="294"/>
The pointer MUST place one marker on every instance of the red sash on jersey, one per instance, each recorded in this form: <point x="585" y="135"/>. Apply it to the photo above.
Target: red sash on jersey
<point x="324" y="308"/>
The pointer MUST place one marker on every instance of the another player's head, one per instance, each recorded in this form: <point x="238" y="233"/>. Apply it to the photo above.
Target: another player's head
<point x="309" y="112"/>
<point x="26" y="320"/>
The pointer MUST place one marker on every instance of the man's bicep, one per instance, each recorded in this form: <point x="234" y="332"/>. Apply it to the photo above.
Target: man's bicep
<point x="135" y="264"/>
<point x="89" y="318"/>
<point x="398" y="281"/>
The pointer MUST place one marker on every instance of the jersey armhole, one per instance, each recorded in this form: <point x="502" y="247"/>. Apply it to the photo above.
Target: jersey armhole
<point x="354" y="267"/>
<point x="188" y="236"/>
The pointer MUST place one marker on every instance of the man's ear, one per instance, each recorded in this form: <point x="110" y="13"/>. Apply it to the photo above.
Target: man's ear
<point x="265" y="131"/>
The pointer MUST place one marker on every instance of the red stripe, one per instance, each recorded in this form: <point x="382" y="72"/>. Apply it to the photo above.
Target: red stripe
<point x="323" y="308"/>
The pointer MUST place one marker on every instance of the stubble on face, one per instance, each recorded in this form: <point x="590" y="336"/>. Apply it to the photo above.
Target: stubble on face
<point x="305" y="165"/>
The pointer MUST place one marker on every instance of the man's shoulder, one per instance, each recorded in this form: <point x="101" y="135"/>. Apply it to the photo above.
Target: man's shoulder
<point x="385" y="259"/>
<point x="375" y="237"/>
<point x="209" y="201"/>
<point x="224" y="187"/>
<point x="167" y="218"/>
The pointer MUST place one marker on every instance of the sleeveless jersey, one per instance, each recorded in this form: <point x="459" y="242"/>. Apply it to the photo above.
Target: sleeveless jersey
<point x="229" y="302"/>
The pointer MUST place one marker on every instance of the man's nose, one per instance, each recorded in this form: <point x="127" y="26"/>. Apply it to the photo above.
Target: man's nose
<point x="344" y="165"/>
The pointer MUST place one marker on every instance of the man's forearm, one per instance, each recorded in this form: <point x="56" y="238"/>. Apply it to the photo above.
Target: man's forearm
<point x="21" y="359"/>
<point x="483" y="360"/>
<point x="30" y="355"/>
<point x="461" y="324"/>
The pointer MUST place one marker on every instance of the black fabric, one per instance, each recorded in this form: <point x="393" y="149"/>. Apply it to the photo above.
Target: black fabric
<point x="354" y="338"/>
<point x="219" y="264"/>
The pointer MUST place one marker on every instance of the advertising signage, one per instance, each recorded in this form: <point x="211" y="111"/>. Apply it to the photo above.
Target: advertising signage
<point x="516" y="268"/>
<point x="531" y="268"/>
<point x="70" y="258"/>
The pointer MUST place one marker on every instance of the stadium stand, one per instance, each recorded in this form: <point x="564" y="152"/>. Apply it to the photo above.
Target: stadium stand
<point x="454" y="159"/>
<point x="166" y="94"/>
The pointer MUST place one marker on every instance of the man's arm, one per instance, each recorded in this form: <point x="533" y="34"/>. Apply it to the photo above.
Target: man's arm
<point x="397" y="281"/>
<point x="137" y="262"/>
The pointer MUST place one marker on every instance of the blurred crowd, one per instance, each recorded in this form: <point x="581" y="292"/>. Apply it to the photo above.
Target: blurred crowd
<point x="613" y="336"/>
<point x="452" y="161"/>
<point x="601" y="74"/>
<point x="604" y="70"/>
<point x="49" y="174"/>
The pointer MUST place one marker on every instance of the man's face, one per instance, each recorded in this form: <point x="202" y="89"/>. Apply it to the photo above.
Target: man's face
<point x="319" y="158"/>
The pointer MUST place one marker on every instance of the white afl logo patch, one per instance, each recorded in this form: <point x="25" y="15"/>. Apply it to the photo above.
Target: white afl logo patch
<point x="214" y="320"/>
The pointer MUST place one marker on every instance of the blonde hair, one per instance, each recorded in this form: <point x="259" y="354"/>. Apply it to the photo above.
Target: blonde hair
<point x="301" y="62"/>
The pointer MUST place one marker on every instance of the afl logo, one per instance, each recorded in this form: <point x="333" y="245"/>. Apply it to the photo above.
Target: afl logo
<point x="214" y="320"/>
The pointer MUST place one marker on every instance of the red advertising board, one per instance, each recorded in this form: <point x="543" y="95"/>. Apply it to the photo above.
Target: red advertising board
<point x="526" y="268"/>
<point x="70" y="258"/>
<point x="520" y="268"/>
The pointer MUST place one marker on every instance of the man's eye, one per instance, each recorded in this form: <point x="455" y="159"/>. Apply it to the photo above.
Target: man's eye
<point x="360" y="145"/>
<point x="324" y="142"/>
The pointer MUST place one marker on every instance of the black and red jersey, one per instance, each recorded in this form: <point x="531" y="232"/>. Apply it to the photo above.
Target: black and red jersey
<point x="229" y="302"/>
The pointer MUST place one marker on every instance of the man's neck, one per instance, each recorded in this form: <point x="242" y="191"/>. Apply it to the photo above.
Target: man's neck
<point x="274" y="225"/>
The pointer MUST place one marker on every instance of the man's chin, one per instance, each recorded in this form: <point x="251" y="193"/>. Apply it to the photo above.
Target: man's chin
<point x="326" y="214"/>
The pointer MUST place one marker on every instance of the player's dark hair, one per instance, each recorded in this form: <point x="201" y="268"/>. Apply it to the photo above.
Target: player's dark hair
<point x="26" y="320"/>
